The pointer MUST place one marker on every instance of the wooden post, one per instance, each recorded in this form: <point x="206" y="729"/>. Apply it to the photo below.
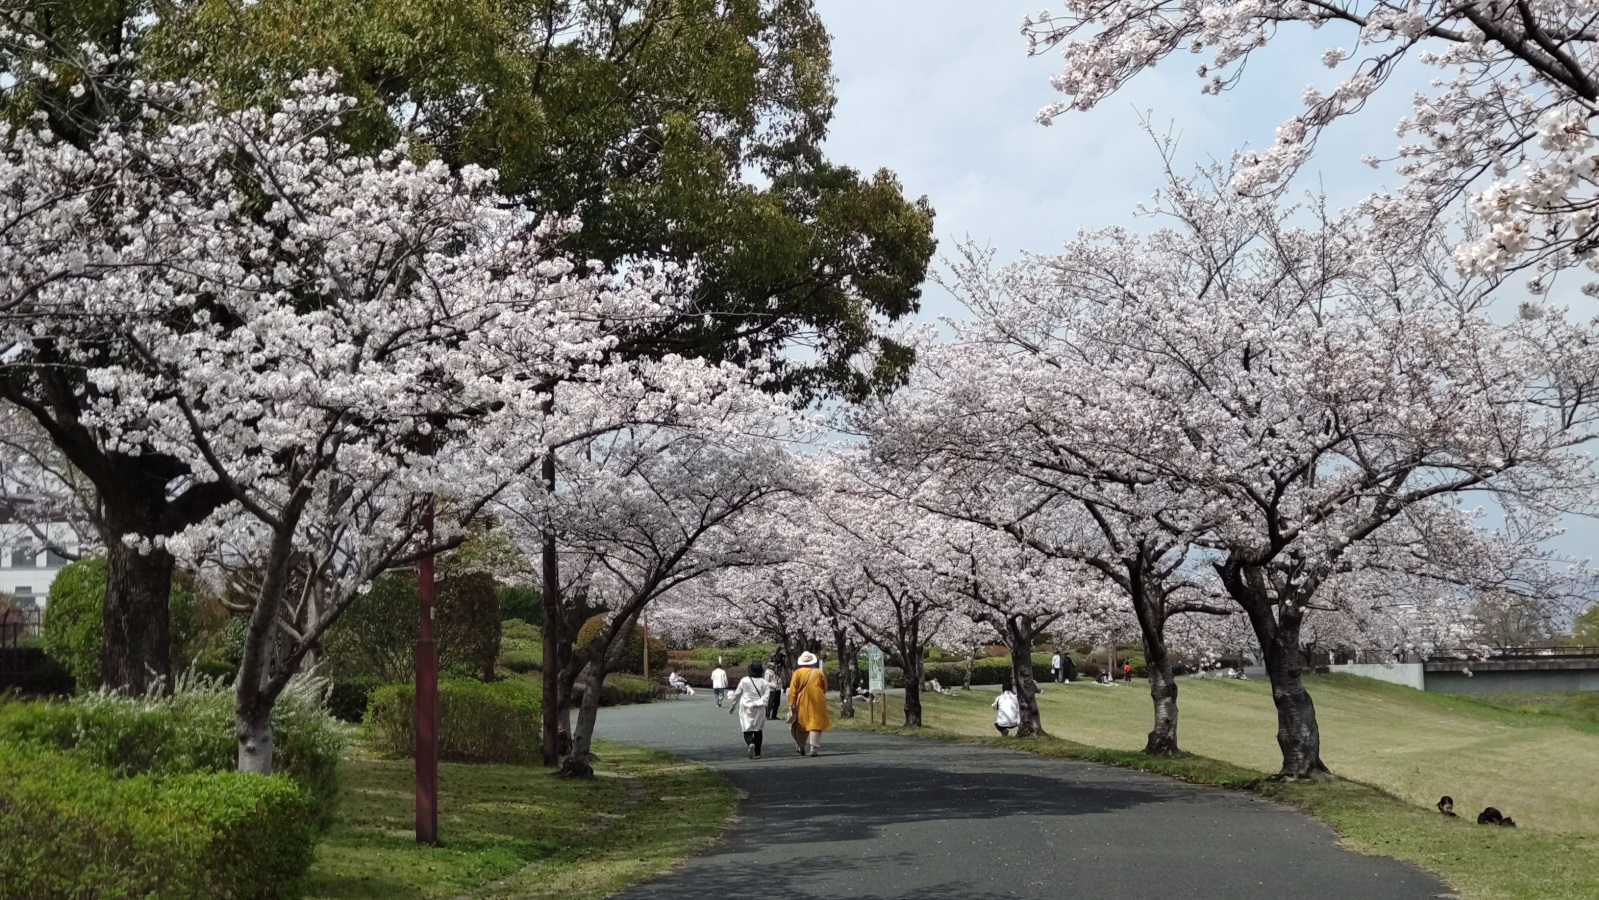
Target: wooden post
<point x="427" y="697"/>
<point x="644" y="626"/>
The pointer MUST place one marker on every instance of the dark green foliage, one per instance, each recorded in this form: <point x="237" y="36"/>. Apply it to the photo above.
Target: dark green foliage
<point x="192" y="730"/>
<point x="73" y="830"/>
<point x="74" y="625"/>
<point x="633" y="658"/>
<point x="376" y="635"/>
<point x="72" y="622"/>
<point x="348" y="696"/>
<point x="642" y="117"/>
<point x="469" y="619"/>
<point x="522" y="603"/>
<point x="478" y="722"/>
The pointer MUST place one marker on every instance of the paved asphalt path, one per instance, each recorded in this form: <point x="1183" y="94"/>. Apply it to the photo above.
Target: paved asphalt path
<point x="881" y="816"/>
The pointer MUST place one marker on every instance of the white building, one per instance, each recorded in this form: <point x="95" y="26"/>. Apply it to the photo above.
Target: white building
<point x="26" y="568"/>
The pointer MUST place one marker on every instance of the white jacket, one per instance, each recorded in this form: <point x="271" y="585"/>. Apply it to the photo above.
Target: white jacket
<point x="1010" y="710"/>
<point x="719" y="679"/>
<point x="749" y="698"/>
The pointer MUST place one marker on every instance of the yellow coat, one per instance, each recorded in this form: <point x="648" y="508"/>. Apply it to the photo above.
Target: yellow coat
<point x="807" y="695"/>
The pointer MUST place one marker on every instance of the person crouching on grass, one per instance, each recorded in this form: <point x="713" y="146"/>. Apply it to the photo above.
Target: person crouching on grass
<point x="1010" y="711"/>
<point x="807" y="705"/>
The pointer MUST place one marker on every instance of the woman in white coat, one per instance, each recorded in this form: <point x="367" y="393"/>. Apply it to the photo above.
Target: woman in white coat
<point x="749" y="702"/>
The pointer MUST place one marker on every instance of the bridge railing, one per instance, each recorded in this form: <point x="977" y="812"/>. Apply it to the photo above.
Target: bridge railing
<point x="1517" y="653"/>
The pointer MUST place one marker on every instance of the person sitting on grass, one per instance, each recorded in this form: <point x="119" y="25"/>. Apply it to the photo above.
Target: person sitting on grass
<point x="1446" y="805"/>
<point x="1491" y="816"/>
<point x="1010" y="711"/>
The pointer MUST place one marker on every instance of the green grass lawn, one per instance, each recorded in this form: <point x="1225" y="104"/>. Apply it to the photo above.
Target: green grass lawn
<point x="516" y="831"/>
<point x="1399" y="749"/>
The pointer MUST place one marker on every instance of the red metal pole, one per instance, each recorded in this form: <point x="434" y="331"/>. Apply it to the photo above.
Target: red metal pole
<point x="427" y="701"/>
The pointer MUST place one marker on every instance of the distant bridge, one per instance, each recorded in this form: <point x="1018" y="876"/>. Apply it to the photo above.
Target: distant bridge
<point x="1458" y="672"/>
<point x="1541" y="669"/>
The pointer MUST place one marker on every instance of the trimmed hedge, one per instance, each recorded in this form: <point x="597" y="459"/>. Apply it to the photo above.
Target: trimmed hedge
<point x="521" y="646"/>
<point x="72" y="830"/>
<point x="190" y="731"/>
<point x="499" y="722"/>
<point x="736" y="657"/>
<point x="624" y="689"/>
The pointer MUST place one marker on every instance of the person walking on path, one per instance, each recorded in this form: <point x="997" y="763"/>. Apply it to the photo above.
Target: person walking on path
<point x="749" y="702"/>
<point x="807" y="705"/>
<point x="1010" y="711"/>
<point x="719" y="682"/>
<point x="775" y="699"/>
<point x="1054" y="664"/>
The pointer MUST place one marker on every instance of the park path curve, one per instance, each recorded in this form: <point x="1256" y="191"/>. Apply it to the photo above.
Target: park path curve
<point x="882" y="816"/>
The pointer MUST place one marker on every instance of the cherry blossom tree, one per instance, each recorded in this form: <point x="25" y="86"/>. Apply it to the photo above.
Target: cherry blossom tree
<point x="1304" y="388"/>
<point x="1517" y="88"/>
<point x="332" y="341"/>
<point x="648" y="506"/>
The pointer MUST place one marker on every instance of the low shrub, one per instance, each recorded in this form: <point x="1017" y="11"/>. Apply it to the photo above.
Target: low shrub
<point x="73" y="830"/>
<point x="189" y="731"/>
<point x="478" y="722"/>
<point x="741" y="655"/>
<point x="624" y="689"/>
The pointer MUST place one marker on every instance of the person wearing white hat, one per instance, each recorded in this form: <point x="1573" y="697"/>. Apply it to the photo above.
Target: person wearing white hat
<point x="807" y="705"/>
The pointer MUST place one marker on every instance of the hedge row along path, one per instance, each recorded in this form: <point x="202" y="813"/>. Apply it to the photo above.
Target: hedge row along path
<point x="883" y="816"/>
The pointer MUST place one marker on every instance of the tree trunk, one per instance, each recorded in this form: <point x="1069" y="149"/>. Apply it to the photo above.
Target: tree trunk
<point x="136" y="654"/>
<point x="1019" y="635"/>
<point x="1149" y="603"/>
<point x="1163" y="691"/>
<point x="1276" y="625"/>
<point x="913" y="671"/>
<point x="551" y="668"/>
<point x="1298" y="734"/>
<point x="971" y="660"/>
<point x="847" y="675"/>
<point x="580" y="762"/>
<point x="254" y="730"/>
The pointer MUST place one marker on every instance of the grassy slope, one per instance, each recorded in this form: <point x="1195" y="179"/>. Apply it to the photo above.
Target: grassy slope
<point x="1403" y="744"/>
<point x="518" y="824"/>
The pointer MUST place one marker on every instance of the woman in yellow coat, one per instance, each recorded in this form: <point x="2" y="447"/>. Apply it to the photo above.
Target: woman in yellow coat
<point x="807" y="705"/>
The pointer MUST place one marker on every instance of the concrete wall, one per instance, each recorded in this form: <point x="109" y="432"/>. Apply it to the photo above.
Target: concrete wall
<point x="1411" y="675"/>
<point x="1535" y="681"/>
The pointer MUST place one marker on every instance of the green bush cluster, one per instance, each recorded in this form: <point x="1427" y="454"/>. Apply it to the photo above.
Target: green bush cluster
<point x="521" y="646"/>
<point x="478" y="722"/>
<point x="741" y="655"/>
<point x="74" y="830"/>
<point x="189" y="731"/>
<point x="523" y="603"/>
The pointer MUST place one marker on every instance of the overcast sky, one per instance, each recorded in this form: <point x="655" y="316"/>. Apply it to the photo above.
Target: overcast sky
<point x="943" y="93"/>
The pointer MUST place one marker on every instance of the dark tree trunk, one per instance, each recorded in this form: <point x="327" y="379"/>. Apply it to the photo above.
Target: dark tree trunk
<point x="1149" y="603"/>
<point x="550" y="670"/>
<point x="913" y="670"/>
<point x="137" y="653"/>
<point x="1298" y="734"/>
<point x="1277" y="624"/>
<point x="847" y="673"/>
<point x="1019" y="636"/>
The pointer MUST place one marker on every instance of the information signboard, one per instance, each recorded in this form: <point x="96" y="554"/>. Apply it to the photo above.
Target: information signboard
<point x="875" y="679"/>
